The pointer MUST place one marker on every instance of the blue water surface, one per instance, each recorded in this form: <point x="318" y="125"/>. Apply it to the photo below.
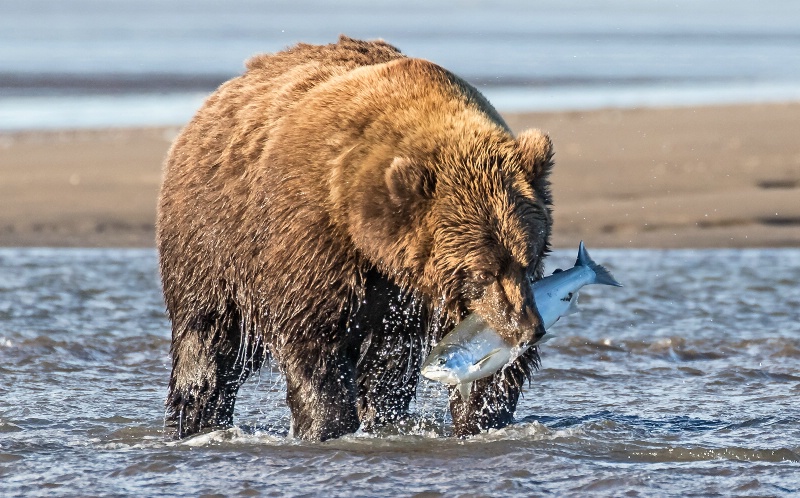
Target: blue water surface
<point x="87" y="63"/>
<point x="682" y="383"/>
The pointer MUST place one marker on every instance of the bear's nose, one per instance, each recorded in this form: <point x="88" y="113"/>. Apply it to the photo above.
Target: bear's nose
<point x="508" y="307"/>
<point x="522" y="310"/>
<point x="531" y="325"/>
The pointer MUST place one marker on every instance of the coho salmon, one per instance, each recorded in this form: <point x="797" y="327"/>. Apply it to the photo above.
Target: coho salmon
<point x="473" y="350"/>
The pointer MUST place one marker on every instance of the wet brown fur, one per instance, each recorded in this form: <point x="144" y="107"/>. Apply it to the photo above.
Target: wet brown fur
<point x="339" y="207"/>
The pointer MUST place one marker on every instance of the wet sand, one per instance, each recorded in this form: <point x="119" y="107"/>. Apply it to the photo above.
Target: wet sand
<point x="725" y="176"/>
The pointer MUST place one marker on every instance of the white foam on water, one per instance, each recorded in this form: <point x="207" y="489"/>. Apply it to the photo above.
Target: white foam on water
<point x="233" y="435"/>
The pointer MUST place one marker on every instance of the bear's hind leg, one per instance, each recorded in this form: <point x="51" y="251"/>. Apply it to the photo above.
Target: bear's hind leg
<point x="320" y="390"/>
<point x="209" y="364"/>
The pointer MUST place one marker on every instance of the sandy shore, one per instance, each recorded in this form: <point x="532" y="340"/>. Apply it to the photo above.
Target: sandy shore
<point x="695" y="177"/>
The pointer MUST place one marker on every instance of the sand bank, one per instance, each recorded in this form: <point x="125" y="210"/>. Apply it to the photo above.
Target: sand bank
<point x="724" y="176"/>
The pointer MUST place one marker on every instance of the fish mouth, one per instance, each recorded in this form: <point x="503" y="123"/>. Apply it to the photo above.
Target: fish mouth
<point x="439" y="374"/>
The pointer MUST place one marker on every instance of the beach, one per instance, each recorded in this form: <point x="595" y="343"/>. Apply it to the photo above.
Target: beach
<point x="715" y="176"/>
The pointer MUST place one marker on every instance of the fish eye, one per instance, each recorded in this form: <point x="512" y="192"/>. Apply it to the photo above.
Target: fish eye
<point x="441" y="361"/>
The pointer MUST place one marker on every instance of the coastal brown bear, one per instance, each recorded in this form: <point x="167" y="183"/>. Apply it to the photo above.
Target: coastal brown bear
<point x="339" y="208"/>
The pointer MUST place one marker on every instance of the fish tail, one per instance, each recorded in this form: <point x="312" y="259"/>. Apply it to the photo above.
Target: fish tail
<point x="602" y="275"/>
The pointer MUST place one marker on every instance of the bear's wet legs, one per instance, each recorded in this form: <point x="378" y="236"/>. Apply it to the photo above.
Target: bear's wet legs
<point x="491" y="405"/>
<point x="320" y="392"/>
<point x="209" y="364"/>
<point x="388" y="377"/>
<point x="389" y="328"/>
<point x="493" y="400"/>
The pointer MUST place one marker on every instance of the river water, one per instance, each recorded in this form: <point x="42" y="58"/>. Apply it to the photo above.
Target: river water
<point x="684" y="382"/>
<point x="97" y="63"/>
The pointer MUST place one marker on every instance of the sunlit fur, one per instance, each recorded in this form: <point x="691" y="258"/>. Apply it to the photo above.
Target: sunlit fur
<point x="339" y="207"/>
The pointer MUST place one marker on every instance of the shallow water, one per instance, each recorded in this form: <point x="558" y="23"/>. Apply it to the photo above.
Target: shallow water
<point x="684" y="382"/>
<point x="98" y="63"/>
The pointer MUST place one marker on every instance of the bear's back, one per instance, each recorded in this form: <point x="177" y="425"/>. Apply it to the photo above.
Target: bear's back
<point x="210" y="176"/>
<point x="239" y="115"/>
<point x="346" y="54"/>
<point x="263" y="160"/>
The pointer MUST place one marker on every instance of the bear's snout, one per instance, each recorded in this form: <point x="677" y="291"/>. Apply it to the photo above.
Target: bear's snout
<point x="508" y="306"/>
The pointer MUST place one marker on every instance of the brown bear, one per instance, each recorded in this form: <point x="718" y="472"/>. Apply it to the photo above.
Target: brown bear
<point x="339" y="208"/>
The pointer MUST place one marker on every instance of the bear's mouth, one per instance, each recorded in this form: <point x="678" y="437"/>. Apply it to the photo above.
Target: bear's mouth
<point x="508" y="307"/>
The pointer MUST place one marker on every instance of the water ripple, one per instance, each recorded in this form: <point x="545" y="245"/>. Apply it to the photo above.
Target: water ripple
<point x="683" y="382"/>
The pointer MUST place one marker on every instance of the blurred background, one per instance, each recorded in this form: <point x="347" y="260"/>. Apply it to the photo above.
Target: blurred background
<point x="101" y="63"/>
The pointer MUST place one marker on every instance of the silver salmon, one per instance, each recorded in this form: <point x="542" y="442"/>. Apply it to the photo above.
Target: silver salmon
<point x="473" y="350"/>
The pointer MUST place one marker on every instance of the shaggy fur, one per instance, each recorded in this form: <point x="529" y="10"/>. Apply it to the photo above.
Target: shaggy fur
<point x="340" y="208"/>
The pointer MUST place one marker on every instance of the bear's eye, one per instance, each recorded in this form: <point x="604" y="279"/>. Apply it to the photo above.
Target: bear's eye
<point x="484" y="277"/>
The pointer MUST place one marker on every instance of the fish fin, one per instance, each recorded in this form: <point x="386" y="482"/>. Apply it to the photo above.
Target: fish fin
<point x="464" y="389"/>
<point x="488" y="355"/>
<point x="602" y="275"/>
<point x="573" y="305"/>
<point x="544" y="339"/>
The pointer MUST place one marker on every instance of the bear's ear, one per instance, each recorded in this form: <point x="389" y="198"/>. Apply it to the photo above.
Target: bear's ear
<point x="409" y="182"/>
<point x="537" y="154"/>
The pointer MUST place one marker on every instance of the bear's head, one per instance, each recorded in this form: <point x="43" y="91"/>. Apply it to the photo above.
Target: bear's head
<point x="469" y="226"/>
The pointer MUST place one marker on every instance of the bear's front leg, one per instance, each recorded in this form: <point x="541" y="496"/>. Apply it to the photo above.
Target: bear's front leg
<point x="388" y="373"/>
<point x="493" y="400"/>
<point x="320" y="391"/>
<point x="392" y="344"/>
